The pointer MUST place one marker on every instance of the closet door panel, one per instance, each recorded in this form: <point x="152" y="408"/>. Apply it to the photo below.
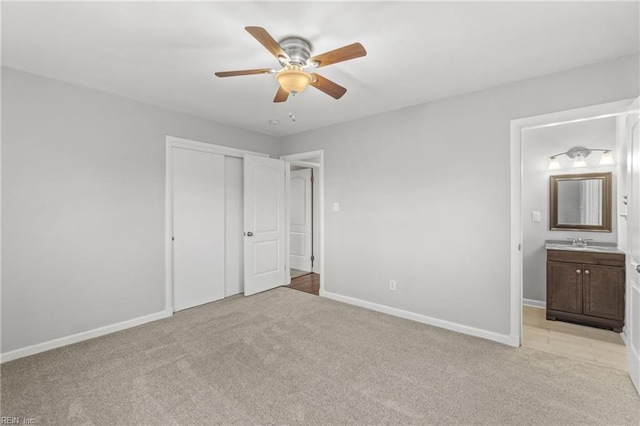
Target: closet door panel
<point x="234" y="227"/>
<point x="198" y="227"/>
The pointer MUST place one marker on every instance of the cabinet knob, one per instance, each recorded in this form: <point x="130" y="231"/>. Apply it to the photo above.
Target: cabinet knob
<point x="578" y="271"/>
<point x="586" y="271"/>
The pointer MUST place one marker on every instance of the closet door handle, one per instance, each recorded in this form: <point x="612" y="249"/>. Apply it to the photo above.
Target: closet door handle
<point x="578" y="271"/>
<point x="249" y="234"/>
<point x="586" y="271"/>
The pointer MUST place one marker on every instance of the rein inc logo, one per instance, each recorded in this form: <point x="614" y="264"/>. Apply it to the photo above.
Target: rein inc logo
<point x="6" y="420"/>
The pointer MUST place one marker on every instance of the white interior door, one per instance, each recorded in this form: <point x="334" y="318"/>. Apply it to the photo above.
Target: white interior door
<point x="198" y="180"/>
<point x="633" y="239"/>
<point x="264" y="224"/>
<point x="300" y="217"/>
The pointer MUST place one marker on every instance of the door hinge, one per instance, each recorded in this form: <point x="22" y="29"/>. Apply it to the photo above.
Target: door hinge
<point x="313" y="258"/>
<point x="519" y="247"/>
<point x="173" y="238"/>
<point x="312" y="179"/>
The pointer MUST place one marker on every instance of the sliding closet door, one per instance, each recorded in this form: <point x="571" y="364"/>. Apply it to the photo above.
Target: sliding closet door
<point x="198" y="227"/>
<point x="234" y="224"/>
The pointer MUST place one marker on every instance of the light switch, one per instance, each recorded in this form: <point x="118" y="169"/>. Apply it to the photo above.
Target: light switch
<point x="535" y="216"/>
<point x="336" y="207"/>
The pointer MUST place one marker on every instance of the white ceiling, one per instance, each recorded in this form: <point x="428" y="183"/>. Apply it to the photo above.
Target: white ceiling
<point x="165" y="53"/>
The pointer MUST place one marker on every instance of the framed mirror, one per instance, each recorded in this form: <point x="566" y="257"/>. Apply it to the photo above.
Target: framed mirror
<point x="580" y="202"/>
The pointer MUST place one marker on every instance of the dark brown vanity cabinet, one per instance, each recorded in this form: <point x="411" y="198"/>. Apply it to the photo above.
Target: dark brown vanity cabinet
<point x="586" y="288"/>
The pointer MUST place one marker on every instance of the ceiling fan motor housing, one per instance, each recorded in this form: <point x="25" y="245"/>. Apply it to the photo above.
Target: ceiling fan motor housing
<point x="298" y="49"/>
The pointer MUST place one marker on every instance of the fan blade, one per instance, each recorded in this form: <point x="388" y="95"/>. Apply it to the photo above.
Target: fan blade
<point x="244" y="72"/>
<point x="345" y="53"/>
<point x="281" y="95"/>
<point x="327" y="86"/>
<point x="267" y="41"/>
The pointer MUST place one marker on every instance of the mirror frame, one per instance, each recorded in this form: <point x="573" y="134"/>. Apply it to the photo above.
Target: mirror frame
<point x="606" y="203"/>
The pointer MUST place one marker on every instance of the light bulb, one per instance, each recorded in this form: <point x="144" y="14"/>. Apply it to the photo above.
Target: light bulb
<point x="554" y="164"/>
<point x="607" y="159"/>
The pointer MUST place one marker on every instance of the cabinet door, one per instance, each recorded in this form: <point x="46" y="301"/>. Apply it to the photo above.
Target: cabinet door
<point x="564" y="287"/>
<point x="603" y="291"/>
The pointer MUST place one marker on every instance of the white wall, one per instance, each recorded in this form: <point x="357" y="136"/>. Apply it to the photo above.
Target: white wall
<point x="538" y="144"/>
<point x="623" y="180"/>
<point x="424" y="194"/>
<point x="83" y="189"/>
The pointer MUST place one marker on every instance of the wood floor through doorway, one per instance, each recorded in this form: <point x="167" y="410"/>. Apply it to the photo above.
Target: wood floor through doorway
<point x="580" y="343"/>
<point x="309" y="283"/>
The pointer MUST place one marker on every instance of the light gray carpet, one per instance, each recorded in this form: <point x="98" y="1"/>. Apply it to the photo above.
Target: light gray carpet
<point x="286" y="357"/>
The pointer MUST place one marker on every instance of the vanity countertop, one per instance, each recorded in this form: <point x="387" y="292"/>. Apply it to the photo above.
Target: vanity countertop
<point x="592" y="247"/>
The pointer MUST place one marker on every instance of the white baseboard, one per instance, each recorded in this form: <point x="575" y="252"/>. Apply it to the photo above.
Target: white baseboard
<point x="534" y="303"/>
<point x="510" y="340"/>
<point x="624" y="336"/>
<point x="79" y="337"/>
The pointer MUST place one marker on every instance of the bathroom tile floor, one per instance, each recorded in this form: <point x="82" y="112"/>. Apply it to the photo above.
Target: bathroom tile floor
<point x="595" y="345"/>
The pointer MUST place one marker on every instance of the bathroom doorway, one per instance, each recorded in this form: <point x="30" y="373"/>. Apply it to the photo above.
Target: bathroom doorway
<point x="553" y="144"/>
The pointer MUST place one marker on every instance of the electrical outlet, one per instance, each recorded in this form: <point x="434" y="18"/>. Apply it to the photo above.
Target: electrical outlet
<point x="392" y="285"/>
<point x="535" y="216"/>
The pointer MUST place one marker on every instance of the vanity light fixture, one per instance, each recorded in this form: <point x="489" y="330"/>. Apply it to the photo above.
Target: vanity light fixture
<point x="579" y="154"/>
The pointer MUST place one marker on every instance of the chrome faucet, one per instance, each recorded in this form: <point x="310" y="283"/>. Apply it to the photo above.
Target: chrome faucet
<point x="579" y="242"/>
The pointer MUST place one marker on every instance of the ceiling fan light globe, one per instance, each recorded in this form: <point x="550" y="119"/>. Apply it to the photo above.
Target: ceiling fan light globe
<point x="293" y="80"/>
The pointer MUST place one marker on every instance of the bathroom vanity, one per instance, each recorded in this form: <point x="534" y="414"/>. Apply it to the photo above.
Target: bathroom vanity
<point x="586" y="285"/>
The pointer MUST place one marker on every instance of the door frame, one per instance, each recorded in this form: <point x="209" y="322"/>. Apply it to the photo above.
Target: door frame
<point x="631" y="285"/>
<point x="609" y="109"/>
<point x="301" y="159"/>
<point x="176" y="142"/>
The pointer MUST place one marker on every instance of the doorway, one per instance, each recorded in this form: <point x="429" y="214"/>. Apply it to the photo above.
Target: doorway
<point x="529" y="323"/>
<point x="304" y="177"/>
<point x="301" y="221"/>
<point x="576" y="341"/>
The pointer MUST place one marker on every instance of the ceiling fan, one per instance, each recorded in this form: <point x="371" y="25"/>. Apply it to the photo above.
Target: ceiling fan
<point x="294" y="55"/>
